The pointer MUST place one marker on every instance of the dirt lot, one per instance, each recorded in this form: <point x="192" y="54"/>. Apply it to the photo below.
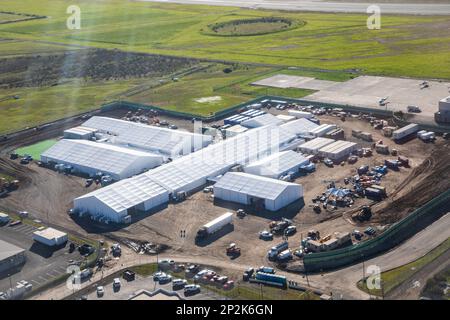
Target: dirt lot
<point x="43" y="186"/>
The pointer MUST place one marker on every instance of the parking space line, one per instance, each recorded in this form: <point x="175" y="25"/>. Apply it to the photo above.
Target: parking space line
<point x="36" y="282"/>
<point x="43" y="278"/>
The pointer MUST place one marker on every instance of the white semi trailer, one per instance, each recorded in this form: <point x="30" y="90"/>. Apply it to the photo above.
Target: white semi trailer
<point x="215" y="225"/>
<point x="405" y="131"/>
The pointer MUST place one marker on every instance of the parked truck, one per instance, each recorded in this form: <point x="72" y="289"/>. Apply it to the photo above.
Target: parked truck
<point x="276" y="250"/>
<point x="405" y="131"/>
<point x="274" y="279"/>
<point x="215" y="225"/>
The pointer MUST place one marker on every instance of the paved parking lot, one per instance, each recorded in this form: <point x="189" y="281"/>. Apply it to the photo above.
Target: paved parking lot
<point x="366" y="91"/>
<point x="42" y="264"/>
<point x="129" y="289"/>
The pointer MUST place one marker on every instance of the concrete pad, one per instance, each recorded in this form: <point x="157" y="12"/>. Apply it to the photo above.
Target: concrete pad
<point x="366" y="91"/>
<point x="287" y="81"/>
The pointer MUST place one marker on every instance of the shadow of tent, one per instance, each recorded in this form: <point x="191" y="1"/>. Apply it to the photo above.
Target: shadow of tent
<point x="289" y="212"/>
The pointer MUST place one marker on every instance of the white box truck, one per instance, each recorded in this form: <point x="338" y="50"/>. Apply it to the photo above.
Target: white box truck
<point x="215" y="225"/>
<point x="300" y="114"/>
<point x="405" y="131"/>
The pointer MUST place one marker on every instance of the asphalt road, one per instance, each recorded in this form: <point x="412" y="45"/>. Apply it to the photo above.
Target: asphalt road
<point x="324" y="6"/>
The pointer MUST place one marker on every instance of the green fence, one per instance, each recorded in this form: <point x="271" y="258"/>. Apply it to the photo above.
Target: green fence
<point x="396" y="234"/>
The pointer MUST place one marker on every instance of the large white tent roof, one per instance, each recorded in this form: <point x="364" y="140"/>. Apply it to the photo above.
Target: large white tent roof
<point x="191" y="171"/>
<point x="277" y="163"/>
<point x="127" y="193"/>
<point x="147" y="137"/>
<point x="261" y="121"/>
<point x="300" y="126"/>
<point x="253" y="185"/>
<point x="101" y="156"/>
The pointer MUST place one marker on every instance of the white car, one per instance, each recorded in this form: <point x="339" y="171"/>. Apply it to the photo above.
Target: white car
<point x="158" y="275"/>
<point x="116" y="284"/>
<point x="100" y="291"/>
<point x="165" y="279"/>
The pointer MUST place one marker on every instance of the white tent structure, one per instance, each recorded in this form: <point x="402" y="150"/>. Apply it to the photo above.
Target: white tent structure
<point x="118" y="201"/>
<point x="187" y="173"/>
<point x="300" y="126"/>
<point x="156" y="139"/>
<point x="277" y="164"/>
<point x="313" y="146"/>
<point x="338" y="150"/>
<point x="261" y="121"/>
<point x="88" y="157"/>
<point x="255" y="190"/>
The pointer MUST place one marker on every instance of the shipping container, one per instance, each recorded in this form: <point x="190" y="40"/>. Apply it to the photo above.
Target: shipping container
<point x="405" y="131"/>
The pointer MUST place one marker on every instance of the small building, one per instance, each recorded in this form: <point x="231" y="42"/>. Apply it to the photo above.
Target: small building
<point x="338" y="150"/>
<point x="443" y="115"/>
<point x="11" y="256"/>
<point x="80" y="132"/>
<point x="277" y="164"/>
<point x="323" y="129"/>
<point x="313" y="146"/>
<point x="300" y="114"/>
<point x="261" y="121"/>
<point x="261" y="192"/>
<point x="235" y="130"/>
<point x="50" y="237"/>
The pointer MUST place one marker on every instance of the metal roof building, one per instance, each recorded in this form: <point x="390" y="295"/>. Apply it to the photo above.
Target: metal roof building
<point x="313" y="146"/>
<point x="249" y="189"/>
<point x="156" y="139"/>
<point x="338" y="150"/>
<point x="90" y="157"/>
<point x="184" y="174"/>
<point x="276" y="165"/>
<point x="11" y="256"/>
<point x="300" y="126"/>
<point x="261" y="121"/>
<point x="114" y="201"/>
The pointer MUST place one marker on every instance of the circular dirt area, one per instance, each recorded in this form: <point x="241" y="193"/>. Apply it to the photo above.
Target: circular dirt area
<point x="253" y="27"/>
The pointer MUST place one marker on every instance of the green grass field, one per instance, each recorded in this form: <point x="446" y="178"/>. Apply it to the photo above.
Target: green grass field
<point x="211" y="90"/>
<point x="36" y="149"/>
<point x="416" y="46"/>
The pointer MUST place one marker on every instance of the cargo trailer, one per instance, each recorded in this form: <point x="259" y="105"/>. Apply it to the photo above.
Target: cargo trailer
<point x="404" y="132"/>
<point x="215" y="225"/>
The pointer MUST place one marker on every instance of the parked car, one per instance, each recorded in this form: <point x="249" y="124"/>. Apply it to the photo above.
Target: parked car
<point x="172" y="126"/>
<point x="290" y="230"/>
<point x="166" y="278"/>
<point x="179" y="284"/>
<point x="116" y="284"/>
<point x="193" y="268"/>
<point x="328" y="162"/>
<point x="191" y="289"/>
<point x="265" y="235"/>
<point x="100" y="291"/>
<point x="158" y="275"/>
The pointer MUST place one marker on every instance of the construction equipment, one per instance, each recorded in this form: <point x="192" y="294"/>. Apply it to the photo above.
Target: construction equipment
<point x="362" y="215"/>
<point x="233" y="250"/>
